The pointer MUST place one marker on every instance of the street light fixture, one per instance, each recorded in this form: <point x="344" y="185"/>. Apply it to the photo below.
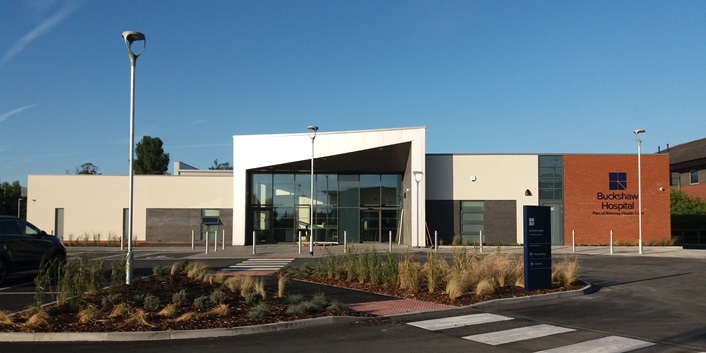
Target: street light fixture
<point x="639" y="189"/>
<point x="130" y="37"/>
<point x="418" y="176"/>
<point x="312" y="133"/>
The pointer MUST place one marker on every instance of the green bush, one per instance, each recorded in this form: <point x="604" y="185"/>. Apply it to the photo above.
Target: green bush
<point x="151" y="302"/>
<point x="180" y="298"/>
<point x="202" y="302"/>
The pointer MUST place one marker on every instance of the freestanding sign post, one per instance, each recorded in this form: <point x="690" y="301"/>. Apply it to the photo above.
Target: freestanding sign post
<point x="538" y="247"/>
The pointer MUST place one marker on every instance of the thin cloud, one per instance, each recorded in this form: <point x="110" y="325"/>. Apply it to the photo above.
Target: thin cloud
<point x="67" y="9"/>
<point x="15" y="112"/>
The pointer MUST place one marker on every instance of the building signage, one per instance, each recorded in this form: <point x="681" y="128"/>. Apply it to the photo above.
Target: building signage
<point x="538" y="247"/>
<point x="616" y="202"/>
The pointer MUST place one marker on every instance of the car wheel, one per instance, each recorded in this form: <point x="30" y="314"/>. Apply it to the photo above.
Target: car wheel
<point x="3" y="270"/>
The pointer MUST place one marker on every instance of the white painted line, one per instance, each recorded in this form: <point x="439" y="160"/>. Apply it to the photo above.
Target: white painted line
<point x="612" y="344"/>
<point x="458" y="321"/>
<point x="517" y="334"/>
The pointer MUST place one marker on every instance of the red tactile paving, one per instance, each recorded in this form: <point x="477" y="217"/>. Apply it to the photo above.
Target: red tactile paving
<point x="401" y="306"/>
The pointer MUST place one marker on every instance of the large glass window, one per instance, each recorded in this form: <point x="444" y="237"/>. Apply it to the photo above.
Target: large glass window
<point x="370" y="190"/>
<point x="694" y="176"/>
<point x="551" y="178"/>
<point x="261" y="190"/>
<point x="472" y="220"/>
<point x="280" y="205"/>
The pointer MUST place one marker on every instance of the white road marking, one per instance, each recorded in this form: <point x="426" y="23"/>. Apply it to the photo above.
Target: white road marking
<point x="612" y="344"/>
<point x="517" y="334"/>
<point x="458" y="321"/>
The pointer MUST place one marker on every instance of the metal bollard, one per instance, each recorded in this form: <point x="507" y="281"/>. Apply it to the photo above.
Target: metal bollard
<point x="573" y="241"/>
<point x="192" y="239"/>
<point x="436" y="241"/>
<point x="480" y="239"/>
<point x="206" y="241"/>
<point x="223" y="240"/>
<point x="215" y="241"/>
<point x="390" y="241"/>
<point x="611" y="242"/>
<point x="254" y="243"/>
<point x="345" y="240"/>
<point x="299" y="232"/>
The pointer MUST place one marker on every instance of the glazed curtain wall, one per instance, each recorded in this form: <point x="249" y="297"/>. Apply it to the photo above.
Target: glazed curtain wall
<point x="366" y="206"/>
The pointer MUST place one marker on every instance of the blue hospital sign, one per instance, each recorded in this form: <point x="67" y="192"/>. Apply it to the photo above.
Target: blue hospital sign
<point x="538" y="247"/>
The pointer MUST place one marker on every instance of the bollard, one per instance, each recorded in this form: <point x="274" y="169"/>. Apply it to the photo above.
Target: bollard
<point x="611" y="242"/>
<point x="390" y="241"/>
<point x="254" y="242"/>
<point x="436" y="241"/>
<point x="480" y="239"/>
<point x="192" y="239"/>
<point x="223" y="240"/>
<point x="299" y="232"/>
<point x="573" y="241"/>
<point x="215" y="241"/>
<point x="345" y="240"/>
<point x="206" y="241"/>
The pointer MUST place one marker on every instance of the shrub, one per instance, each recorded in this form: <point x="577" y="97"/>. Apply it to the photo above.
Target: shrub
<point x="220" y="310"/>
<point x="202" y="302"/>
<point x="294" y="298"/>
<point x="118" y="273"/>
<point x="96" y="276"/>
<point x="233" y="283"/>
<point x="408" y="274"/>
<point x="178" y="267"/>
<point x="109" y="300"/>
<point x="151" y="303"/>
<point x="218" y="297"/>
<point x="168" y="311"/>
<point x="120" y="310"/>
<point x="89" y="313"/>
<point x="260" y="310"/>
<point x="434" y="270"/>
<point x="252" y="297"/>
<point x="338" y="307"/>
<point x="196" y="270"/>
<point x="160" y="270"/>
<point x="139" y="299"/>
<point x="456" y="241"/>
<point x="281" y="282"/>
<point x="485" y="288"/>
<point x="180" y="298"/>
<point x="565" y="271"/>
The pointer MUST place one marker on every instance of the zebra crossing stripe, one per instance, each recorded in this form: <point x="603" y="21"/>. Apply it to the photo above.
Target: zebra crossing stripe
<point x="517" y="334"/>
<point x="458" y="321"/>
<point x="259" y="265"/>
<point x="612" y="344"/>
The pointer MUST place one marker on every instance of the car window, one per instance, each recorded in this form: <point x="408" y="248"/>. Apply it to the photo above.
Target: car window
<point x="8" y="227"/>
<point x="27" y="229"/>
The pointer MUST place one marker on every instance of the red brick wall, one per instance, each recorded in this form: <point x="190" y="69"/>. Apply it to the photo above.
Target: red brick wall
<point x="696" y="190"/>
<point x="585" y="176"/>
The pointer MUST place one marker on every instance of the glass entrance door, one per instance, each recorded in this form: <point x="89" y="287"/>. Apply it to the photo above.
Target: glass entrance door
<point x="557" y="221"/>
<point x="370" y="225"/>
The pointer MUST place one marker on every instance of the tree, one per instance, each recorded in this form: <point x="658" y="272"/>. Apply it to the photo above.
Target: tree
<point x="151" y="158"/>
<point x="682" y="204"/>
<point x="88" y="168"/>
<point x="9" y="194"/>
<point x="220" y="166"/>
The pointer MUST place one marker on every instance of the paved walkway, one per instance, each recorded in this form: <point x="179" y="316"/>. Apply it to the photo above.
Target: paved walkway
<point x="292" y="250"/>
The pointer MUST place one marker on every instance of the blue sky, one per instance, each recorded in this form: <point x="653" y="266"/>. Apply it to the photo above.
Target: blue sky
<point x="482" y="76"/>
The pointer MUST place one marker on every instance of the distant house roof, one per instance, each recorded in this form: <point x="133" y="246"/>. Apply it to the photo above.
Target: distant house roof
<point x="687" y="155"/>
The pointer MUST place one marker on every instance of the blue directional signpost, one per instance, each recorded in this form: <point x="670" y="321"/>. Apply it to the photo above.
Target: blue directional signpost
<point x="538" y="247"/>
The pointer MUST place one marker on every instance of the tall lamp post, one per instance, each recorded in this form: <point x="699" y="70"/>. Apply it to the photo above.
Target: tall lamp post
<point x="639" y="189"/>
<point x="418" y="176"/>
<point x="312" y="133"/>
<point x="131" y="37"/>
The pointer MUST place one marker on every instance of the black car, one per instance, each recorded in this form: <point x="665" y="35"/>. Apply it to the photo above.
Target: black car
<point x="23" y="247"/>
